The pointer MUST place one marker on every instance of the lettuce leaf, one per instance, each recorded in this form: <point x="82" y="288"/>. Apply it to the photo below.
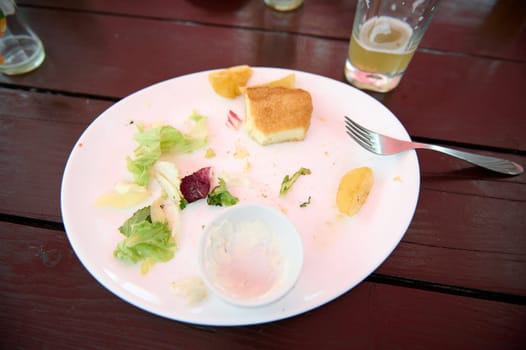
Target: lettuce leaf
<point x="167" y="175"/>
<point x="157" y="141"/>
<point x="196" y="138"/>
<point x="145" y="240"/>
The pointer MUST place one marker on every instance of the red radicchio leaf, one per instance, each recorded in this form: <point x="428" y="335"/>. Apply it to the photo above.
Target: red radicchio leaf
<point x="196" y="186"/>
<point x="233" y="120"/>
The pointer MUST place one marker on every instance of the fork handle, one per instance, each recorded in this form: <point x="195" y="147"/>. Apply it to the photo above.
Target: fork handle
<point x="499" y="165"/>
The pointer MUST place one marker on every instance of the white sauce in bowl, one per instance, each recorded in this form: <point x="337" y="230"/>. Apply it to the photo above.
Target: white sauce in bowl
<point x="251" y="255"/>
<point x="244" y="258"/>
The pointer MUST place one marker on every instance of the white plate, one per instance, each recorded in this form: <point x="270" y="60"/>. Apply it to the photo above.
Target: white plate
<point x="339" y="251"/>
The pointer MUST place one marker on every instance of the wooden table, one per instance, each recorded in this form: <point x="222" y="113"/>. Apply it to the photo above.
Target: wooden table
<point x="456" y="281"/>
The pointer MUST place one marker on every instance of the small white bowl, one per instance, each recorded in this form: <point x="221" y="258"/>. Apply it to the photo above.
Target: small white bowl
<point x="251" y="255"/>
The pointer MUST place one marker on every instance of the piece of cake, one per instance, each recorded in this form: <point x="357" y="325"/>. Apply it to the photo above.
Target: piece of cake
<point x="277" y="114"/>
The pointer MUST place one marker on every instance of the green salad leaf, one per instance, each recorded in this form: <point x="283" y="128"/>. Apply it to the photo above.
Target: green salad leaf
<point x="154" y="142"/>
<point x="220" y="196"/>
<point x="167" y="175"/>
<point x="145" y="240"/>
<point x="137" y="217"/>
<point x="196" y="138"/>
<point x="304" y="204"/>
<point x="288" y="181"/>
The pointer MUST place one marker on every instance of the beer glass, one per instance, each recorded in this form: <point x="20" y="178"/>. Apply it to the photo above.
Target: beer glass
<point x="284" y="5"/>
<point x="21" y="50"/>
<point x="384" y="38"/>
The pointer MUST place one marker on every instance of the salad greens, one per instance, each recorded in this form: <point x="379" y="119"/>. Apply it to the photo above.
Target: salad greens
<point x="167" y="175"/>
<point x="220" y="196"/>
<point x="148" y="233"/>
<point x="154" y="142"/>
<point x="145" y="240"/>
<point x="288" y="181"/>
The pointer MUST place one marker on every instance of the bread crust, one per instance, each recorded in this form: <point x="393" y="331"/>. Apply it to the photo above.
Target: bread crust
<point x="277" y="114"/>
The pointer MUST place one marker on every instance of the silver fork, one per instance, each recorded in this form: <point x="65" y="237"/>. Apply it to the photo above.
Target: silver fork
<point x="382" y="144"/>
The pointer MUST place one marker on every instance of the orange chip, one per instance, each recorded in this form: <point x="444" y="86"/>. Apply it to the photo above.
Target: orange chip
<point x="227" y="82"/>
<point x="354" y="189"/>
<point x="287" y="81"/>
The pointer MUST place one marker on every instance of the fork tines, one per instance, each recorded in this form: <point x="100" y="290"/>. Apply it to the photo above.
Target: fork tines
<point x="358" y="133"/>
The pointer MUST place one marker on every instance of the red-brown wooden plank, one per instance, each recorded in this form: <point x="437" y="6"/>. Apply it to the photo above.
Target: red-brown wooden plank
<point x="37" y="132"/>
<point x="459" y="98"/>
<point x="467" y="230"/>
<point x="451" y="97"/>
<point x="482" y="27"/>
<point x="47" y="299"/>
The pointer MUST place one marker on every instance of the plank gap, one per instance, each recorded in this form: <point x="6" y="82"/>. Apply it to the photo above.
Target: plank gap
<point x="447" y="289"/>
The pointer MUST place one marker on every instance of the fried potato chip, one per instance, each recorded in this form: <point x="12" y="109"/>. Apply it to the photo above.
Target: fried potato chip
<point x="354" y="189"/>
<point x="227" y="82"/>
<point x="287" y="81"/>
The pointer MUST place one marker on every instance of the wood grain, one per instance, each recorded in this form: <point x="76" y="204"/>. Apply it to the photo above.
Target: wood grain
<point x="481" y="27"/>
<point x="51" y="301"/>
<point x="457" y="280"/>
<point x="102" y="58"/>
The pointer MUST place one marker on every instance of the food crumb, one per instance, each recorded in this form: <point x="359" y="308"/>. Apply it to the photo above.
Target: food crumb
<point x="307" y="202"/>
<point x="192" y="289"/>
<point x="240" y="152"/>
<point x="210" y="153"/>
<point x="80" y="144"/>
<point x="248" y="166"/>
<point x="397" y="178"/>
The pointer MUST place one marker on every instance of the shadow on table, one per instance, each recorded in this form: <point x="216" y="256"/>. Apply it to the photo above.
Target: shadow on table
<point x="469" y="172"/>
<point x="219" y="6"/>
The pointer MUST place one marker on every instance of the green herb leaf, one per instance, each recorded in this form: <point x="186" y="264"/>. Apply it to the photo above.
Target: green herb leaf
<point x="287" y="182"/>
<point x="304" y="204"/>
<point x="220" y="196"/>
<point x="183" y="203"/>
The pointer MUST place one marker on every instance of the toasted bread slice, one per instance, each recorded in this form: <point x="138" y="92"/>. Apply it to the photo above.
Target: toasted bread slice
<point x="277" y="114"/>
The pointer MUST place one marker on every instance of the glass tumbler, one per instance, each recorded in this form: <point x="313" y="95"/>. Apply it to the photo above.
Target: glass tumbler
<point x="384" y="38"/>
<point x="21" y="50"/>
<point x="284" y="5"/>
